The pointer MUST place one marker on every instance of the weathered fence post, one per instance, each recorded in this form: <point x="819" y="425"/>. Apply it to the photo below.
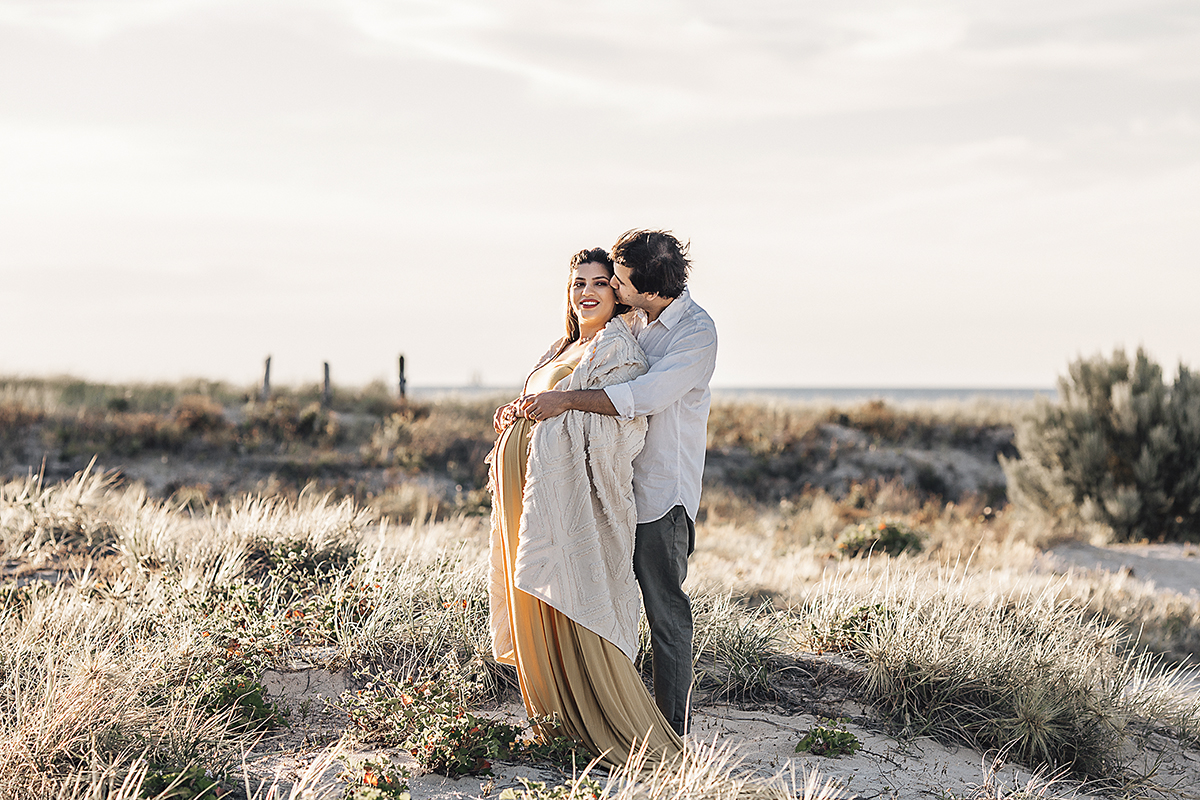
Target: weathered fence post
<point x="403" y="382"/>
<point x="265" y="395"/>
<point x="326" y="393"/>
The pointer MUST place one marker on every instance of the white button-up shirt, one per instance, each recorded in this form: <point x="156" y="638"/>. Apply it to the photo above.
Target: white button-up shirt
<point x="681" y="346"/>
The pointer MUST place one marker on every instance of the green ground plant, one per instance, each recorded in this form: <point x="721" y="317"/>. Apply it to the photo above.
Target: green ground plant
<point x="829" y="739"/>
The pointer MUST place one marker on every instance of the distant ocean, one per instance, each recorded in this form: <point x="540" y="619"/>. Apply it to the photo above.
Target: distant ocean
<point x="842" y="394"/>
<point x="836" y="395"/>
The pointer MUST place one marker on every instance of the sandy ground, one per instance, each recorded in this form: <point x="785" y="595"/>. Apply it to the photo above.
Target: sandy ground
<point x="764" y="743"/>
<point x="887" y="767"/>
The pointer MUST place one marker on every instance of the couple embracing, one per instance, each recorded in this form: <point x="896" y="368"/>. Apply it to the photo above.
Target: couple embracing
<point x="596" y="484"/>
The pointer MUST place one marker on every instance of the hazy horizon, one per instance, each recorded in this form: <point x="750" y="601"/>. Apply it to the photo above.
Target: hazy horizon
<point x="481" y="388"/>
<point x="922" y="194"/>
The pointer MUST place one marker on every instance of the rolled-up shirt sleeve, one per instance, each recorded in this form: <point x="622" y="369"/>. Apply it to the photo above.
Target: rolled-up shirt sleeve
<point x="689" y="363"/>
<point x="621" y="397"/>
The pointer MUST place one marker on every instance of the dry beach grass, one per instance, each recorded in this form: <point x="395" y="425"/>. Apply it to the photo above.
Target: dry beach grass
<point x="142" y="626"/>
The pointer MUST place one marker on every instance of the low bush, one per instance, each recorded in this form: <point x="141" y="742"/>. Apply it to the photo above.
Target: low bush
<point x="199" y="413"/>
<point x="844" y="629"/>
<point x="190" y="783"/>
<point x="1120" y="448"/>
<point x="375" y="780"/>
<point x="246" y="698"/>
<point x="281" y="423"/>
<point x="882" y="537"/>
<point x="766" y="430"/>
<point x="430" y="718"/>
<point x="582" y="788"/>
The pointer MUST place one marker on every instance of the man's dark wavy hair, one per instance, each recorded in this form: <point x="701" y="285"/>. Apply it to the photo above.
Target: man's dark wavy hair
<point x="657" y="261"/>
<point x="596" y="255"/>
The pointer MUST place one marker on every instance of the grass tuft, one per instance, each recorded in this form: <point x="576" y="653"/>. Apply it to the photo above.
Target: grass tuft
<point x="1022" y="673"/>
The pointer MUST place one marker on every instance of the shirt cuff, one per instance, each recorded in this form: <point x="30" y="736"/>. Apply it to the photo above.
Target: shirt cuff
<point x="621" y="396"/>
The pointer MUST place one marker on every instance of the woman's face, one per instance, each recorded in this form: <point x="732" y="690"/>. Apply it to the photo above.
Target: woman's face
<point x="592" y="297"/>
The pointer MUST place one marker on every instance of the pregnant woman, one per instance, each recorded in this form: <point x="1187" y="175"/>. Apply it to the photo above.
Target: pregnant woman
<point x="564" y="600"/>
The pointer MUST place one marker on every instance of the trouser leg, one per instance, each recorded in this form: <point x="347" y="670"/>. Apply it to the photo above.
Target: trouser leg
<point x="660" y="554"/>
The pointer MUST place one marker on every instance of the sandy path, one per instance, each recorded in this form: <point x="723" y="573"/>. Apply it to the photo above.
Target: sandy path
<point x="1172" y="567"/>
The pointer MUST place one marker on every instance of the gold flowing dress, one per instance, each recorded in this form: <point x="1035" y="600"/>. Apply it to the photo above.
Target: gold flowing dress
<point x="569" y="674"/>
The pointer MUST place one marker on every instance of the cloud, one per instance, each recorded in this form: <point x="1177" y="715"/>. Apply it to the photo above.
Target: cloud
<point x="902" y="33"/>
<point x="95" y="20"/>
<point x="518" y="40"/>
<point x="875" y="155"/>
<point x="709" y="60"/>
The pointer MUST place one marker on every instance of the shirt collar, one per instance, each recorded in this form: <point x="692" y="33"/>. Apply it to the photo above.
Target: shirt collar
<point x="673" y="313"/>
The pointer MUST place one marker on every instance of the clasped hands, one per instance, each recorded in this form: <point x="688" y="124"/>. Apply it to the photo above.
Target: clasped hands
<point x="536" y="407"/>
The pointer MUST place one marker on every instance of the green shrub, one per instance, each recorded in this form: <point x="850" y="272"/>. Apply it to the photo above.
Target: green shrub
<point x="865" y="538"/>
<point x="189" y="783"/>
<point x="430" y="719"/>
<point x="1120" y="448"/>
<point x="376" y="780"/>
<point x="246" y="697"/>
<point x="464" y="744"/>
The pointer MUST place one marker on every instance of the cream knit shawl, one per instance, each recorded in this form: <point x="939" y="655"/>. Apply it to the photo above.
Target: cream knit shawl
<point x="575" y="548"/>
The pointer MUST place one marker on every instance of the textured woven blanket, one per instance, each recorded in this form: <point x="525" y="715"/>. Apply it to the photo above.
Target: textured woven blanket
<point x="575" y="549"/>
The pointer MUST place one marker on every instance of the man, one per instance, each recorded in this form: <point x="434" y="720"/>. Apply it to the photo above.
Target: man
<point x="680" y="341"/>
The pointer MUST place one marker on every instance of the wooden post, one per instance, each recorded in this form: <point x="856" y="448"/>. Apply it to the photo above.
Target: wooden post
<point x="403" y="382"/>
<point x="326" y="394"/>
<point x="265" y="395"/>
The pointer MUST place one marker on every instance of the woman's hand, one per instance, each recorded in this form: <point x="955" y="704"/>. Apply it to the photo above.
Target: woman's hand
<point x="505" y="415"/>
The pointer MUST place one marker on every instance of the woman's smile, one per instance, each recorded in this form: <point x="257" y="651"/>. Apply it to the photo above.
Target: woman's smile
<point x="592" y="298"/>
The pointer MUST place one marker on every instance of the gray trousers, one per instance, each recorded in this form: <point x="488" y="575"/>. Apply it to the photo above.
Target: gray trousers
<point x="660" y="553"/>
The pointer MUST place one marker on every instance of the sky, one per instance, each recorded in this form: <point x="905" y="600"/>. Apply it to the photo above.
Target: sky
<point x="964" y="193"/>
